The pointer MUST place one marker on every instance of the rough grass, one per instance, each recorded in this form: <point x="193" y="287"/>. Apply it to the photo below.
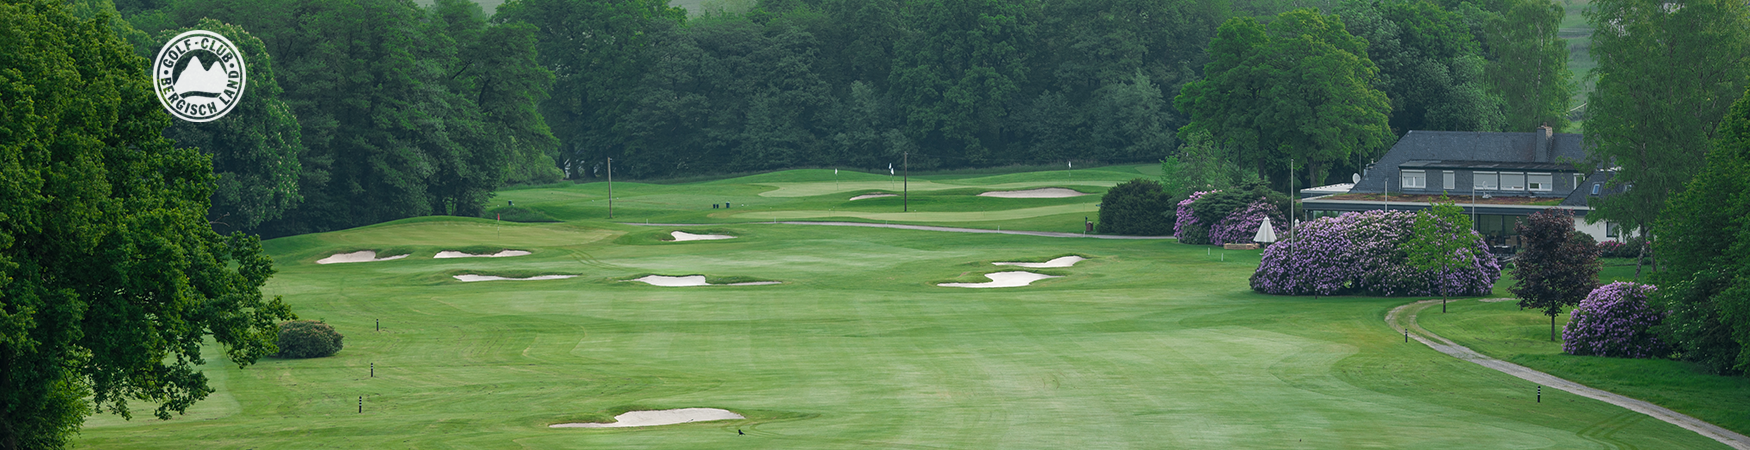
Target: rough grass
<point x="1150" y="345"/>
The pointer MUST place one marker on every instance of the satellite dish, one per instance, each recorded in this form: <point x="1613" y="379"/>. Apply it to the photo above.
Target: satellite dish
<point x="1355" y="178"/>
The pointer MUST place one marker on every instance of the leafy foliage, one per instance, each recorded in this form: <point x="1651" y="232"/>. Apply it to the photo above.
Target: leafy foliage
<point x="1136" y="207"/>
<point x="1430" y="65"/>
<point x="1363" y="253"/>
<point x="1667" y="74"/>
<point x="1558" y="267"/>
<point x="255" y="149"/>
<point x="308" y="339"/>
<point x="1215" y="206"/>
<point x="1242" y="225"/>
<point x="110" y="277"/>
<point x="1704" y="241"/>
<point x="1186" y="228"/>
<point x="1301" y="88"/>
<point x="1527" y="63"/>
<point x="1615" y="320"/>
<point x="1431" y="246"/>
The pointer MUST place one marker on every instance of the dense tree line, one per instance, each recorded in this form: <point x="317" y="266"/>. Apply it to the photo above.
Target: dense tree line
<point x="393" y="109"/>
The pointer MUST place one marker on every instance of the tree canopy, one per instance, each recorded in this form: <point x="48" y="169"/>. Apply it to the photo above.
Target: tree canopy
<point x="1558" y="266"/>
<point x="1667" y="73"/>
<point x="1301" y="88"/>
<point x="110" y="276"/>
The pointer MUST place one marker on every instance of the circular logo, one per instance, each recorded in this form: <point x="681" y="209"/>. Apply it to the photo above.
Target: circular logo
<point x="199" y="76"/>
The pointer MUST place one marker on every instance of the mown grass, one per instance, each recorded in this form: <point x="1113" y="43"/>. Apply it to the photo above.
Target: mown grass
<point x="1148" y="344"/>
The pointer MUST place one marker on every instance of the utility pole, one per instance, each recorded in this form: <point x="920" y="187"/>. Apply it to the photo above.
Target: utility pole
<point x="906" y="198"/>
<point x="610" y="188"/>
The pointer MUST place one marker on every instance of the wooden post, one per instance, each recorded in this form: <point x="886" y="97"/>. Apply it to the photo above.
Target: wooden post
<point x="610" y="188"/>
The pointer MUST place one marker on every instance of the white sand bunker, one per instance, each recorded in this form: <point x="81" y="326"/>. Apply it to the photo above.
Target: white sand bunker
<point x="694" y="280"/>
<point x="662" y="417"/>
<point x="1035" y="193"/>
<point x="472" y="277"/>
<point x="1065" y="261"/>
<point x="685" y="236"/>
<point x="864" y="196"/>
<point x="501" y="254"/>
<point x="1003" y="279"/>
<point x="358" y="256"/>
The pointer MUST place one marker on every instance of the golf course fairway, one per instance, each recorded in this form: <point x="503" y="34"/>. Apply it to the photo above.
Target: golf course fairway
<point x="1145" y="344"/>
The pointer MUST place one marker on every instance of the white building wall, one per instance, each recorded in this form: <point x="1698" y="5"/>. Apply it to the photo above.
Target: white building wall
<point x="1594" y="229"/>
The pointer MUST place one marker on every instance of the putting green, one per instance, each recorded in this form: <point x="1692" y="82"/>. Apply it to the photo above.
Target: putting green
<point x="1148" y="344"/>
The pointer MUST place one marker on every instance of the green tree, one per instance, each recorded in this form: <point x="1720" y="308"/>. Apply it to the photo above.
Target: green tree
<point x="1429" y="64"/>
<point x="1704" y="237"/>
<point x="1301" y="88"/>
<point x="1667" y="73"/>
<point x="1558" y="266"/>
<point x="1528" y="64"/>
<point x="1432" y="248"/>
<point x="596" y="51"/>
<point x="955" y="71"/>
<point x="110" y="278"/>
<point x="497" y="68"/>
<point x="1201" y="165"/>
<point x="256" y="148"/>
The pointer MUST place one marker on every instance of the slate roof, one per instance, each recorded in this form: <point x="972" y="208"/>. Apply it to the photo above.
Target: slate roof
<point x="1472" y="146"/>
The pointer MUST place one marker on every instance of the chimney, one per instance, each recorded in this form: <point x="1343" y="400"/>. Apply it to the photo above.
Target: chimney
<point x="1546" y="146"/>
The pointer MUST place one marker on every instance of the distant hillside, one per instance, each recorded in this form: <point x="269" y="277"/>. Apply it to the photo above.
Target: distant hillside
<point x="1580" y="62"/>
<point x="693" y="7"/>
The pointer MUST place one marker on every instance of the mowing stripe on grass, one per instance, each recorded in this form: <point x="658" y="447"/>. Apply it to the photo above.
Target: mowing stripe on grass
<point x="915" y="227"/>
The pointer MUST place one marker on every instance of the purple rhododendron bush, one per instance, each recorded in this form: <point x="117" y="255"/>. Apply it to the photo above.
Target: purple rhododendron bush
<point x="1242" y="225"/>
<point x="1363" y="253"/>
<point x="1187" y="229"/>
<point x="1615" y="320"/>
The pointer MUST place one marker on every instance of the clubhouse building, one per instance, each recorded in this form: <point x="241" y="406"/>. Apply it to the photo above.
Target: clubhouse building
<point x="1498" y="178"/>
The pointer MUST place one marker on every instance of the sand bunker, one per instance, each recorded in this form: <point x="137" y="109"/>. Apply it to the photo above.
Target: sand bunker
<point x="1003" y="279"/>
<point x="1035" y="193"/>
<point x="860" y="197"/>
<point x="685" y="236"/>
<point x="358" y="256"/>
<point x="662" y="417"/>
<point x="501" y="254"/>
<point x="1065" y="261"/>
<point x="472" y="277"/>
<point x="694" y="280"/>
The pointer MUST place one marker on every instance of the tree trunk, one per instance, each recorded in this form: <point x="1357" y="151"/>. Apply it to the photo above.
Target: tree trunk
<point x="1552" y="327"/>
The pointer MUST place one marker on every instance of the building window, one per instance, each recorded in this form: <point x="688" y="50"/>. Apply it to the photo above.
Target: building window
<point x="1610" y="230"/>
<point x="1578" y="178"/>
<point x="1512" y="181"/>
<point x="1486" y="181"/>
<point x="1449" y="180"/>
<point x="1414" y="179"/>
<point x="1597" y="187"/>
<point x="1539" y="181"/>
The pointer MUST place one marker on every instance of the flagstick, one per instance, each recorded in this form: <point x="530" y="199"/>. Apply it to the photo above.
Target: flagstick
<point x="906" y="198"/>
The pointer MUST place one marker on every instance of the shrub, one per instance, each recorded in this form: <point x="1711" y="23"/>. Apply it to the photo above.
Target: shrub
<point x="1557" y="268"/>
<point x="1363" y="253"/>
<point x="307" y="339"/>
<point x="1137" y="207"/>
<point x="1615" y="320"/>
<point x="1610" y="249"/>
<point x="1186" y="228"/>
<point x="1217" y="205"/>
<point x="1242" y="225"/>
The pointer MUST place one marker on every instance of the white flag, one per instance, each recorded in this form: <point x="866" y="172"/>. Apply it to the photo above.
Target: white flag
<point x="890" y="168"/>
<point x="1072" y="164"/>
<point x="835" y="171"/>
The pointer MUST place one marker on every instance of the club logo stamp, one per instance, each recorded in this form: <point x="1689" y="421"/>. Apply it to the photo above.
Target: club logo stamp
<point x="199" y="76"/>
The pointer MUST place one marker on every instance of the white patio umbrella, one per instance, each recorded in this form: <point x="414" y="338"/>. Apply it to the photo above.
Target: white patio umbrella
<point x="1266" y="233"/>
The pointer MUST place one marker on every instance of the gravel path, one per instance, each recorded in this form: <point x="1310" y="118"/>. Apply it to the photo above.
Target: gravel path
<point x="912" y="227"/>
<point x="1407" y="314"/>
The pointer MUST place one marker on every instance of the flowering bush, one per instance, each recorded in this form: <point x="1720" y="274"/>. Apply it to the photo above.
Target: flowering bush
<point x="1242" y="225"/>
<point x="1609" y="249"/>
<point x="1187" y="229"/>
<point x="1362" y="252"/>
<point x="1614" y="320"/>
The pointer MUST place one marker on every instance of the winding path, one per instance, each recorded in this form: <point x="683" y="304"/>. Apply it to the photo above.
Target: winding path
<point x="911" y="227"/>
<point x="1407" y="315"/>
